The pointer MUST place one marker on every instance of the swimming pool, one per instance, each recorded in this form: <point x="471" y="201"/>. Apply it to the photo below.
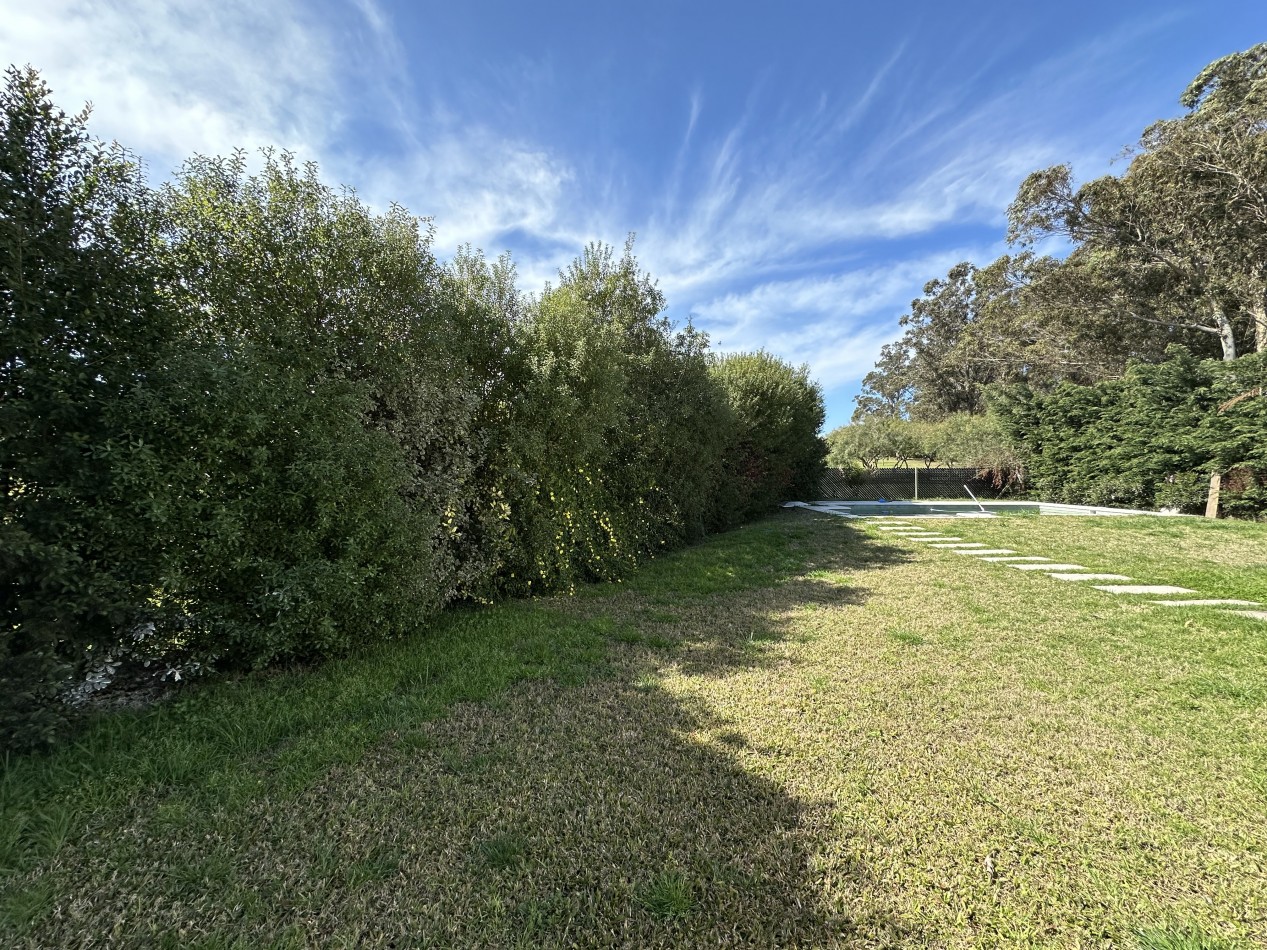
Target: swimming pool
<point x="955" y="509"/>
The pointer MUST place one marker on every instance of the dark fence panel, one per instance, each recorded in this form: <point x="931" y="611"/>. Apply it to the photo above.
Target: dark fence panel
<point x="903" y="484"/>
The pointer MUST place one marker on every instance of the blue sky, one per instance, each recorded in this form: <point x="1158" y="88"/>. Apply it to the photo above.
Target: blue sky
<point x="794" y="172"/>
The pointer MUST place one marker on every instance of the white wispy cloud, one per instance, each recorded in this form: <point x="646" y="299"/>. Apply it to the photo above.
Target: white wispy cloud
<point x="478" y="186"/>
<point x="171" y="77"/>
<point x="756" y="210"/>
<point x="836" y="323"/>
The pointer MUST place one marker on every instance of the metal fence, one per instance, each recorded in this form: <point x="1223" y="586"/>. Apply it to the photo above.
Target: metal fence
<point x="903" y="484"/>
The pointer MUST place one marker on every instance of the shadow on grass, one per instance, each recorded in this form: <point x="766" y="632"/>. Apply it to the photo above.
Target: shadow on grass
<point x="530" y="785"/>
<point x="729" y="615"/>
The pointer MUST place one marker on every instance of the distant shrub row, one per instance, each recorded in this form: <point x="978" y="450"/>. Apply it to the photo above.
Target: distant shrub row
<point x="245" y="419"/>
<point x="1149" y="439"/>
<point x="975" y="441"/>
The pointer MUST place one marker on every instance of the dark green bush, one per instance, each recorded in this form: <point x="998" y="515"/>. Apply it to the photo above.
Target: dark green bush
<point x="777" y="453"/>
<point x="1236" y="433"/>
<point x="245" y="419"/>
<point x="325" y="420"/>
<point x="81" y="325"/>
<point x="1149" y="439"/>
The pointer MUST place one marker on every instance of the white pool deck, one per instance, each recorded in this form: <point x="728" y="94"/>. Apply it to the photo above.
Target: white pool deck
<point x="963" y="509"/>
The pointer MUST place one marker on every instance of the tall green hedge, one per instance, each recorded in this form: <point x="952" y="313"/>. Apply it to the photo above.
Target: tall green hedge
<point x="246" y="419"/>
<point x="1150" y="439"/>
<point x="776" y="451"/>
<point x="83" y="327"/>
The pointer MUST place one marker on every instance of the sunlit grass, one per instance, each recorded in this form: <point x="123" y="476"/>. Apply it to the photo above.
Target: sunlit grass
<point x="798" y="734"/>
<point x="1220" y="558"/>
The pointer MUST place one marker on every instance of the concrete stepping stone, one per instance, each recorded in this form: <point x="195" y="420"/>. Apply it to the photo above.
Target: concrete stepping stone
<point x="1048" y="567"/>
<point x="1090" y="577"/>
<point x="1007" y="560"/>
<point x="1207" y="603"/>
<point x="962" y="546"/>
<point x="933" y="538"/>
<point x="1143" y="589"/>
<point x="979" y="552"/>
<point x="1254" y="614"/>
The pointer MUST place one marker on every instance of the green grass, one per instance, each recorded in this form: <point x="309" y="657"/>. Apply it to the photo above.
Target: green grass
<point x="801" y="733"/>
<point x="1219" y="558"/>
<point x="669" y="895"/>
<point x="1167" y="939"/>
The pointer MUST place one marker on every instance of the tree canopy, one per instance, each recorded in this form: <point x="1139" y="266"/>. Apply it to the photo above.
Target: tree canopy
<point x="1166" y="265"/>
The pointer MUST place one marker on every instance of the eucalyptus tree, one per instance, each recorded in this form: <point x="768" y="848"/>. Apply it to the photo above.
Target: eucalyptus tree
<point x="976" y="327"/>
<point x="1143" y="254"/>
<point x="889" y="390"/>
<point x="1179" y="241"/>
<point x="926" y="362"/>
<point x="1220" y="148"/>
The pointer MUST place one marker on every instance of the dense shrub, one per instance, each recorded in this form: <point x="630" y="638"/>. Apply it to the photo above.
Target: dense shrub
<point x="776" y="451"/>
<point x="246" y="419"/>
<point x="1236" y="433"/>
<point x="1151" y="438"/>
<point x="325" y="417"/>
<point x="81" y="325"/>
<point x="614" y="445"/>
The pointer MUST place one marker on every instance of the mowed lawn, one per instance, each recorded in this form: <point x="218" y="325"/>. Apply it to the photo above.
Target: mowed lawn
<point x="803" y="733"/>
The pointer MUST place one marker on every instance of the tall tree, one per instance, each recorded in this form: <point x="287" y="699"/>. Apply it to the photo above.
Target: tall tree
<point x="1142" y="261"/>
<point x="1221" y="147"/>
<point x="1179" y="240"/>
<point x="975" y="327"/>
<point x="927" y="361"/>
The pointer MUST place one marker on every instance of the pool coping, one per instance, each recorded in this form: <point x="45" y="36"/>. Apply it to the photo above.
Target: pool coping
<point x="1044" y="508"/>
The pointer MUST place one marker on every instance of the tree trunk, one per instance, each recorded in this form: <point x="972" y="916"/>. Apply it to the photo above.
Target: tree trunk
<point x="1259" y="312"/>
<point x="1226" y="336"/>
<point x="1212" y="499"/>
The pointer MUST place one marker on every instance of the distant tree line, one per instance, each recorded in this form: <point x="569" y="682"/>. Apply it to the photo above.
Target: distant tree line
<point x="958" y="439"/>
<point x="244" y="419"/>
<point x="1167" y="266"/>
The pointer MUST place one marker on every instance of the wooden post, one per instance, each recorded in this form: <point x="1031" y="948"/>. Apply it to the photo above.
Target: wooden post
<point x="1212" y="500"/>
<point x="917" y="483"/>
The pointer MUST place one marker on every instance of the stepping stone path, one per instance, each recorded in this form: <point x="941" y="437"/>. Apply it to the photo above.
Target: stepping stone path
<point x="1061" y="572"/>
<point x="1206" y="603"/>
<point x="1091" y="577"/>
<point x="1143" y="589"/>
<point x="1048" y="567"/>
